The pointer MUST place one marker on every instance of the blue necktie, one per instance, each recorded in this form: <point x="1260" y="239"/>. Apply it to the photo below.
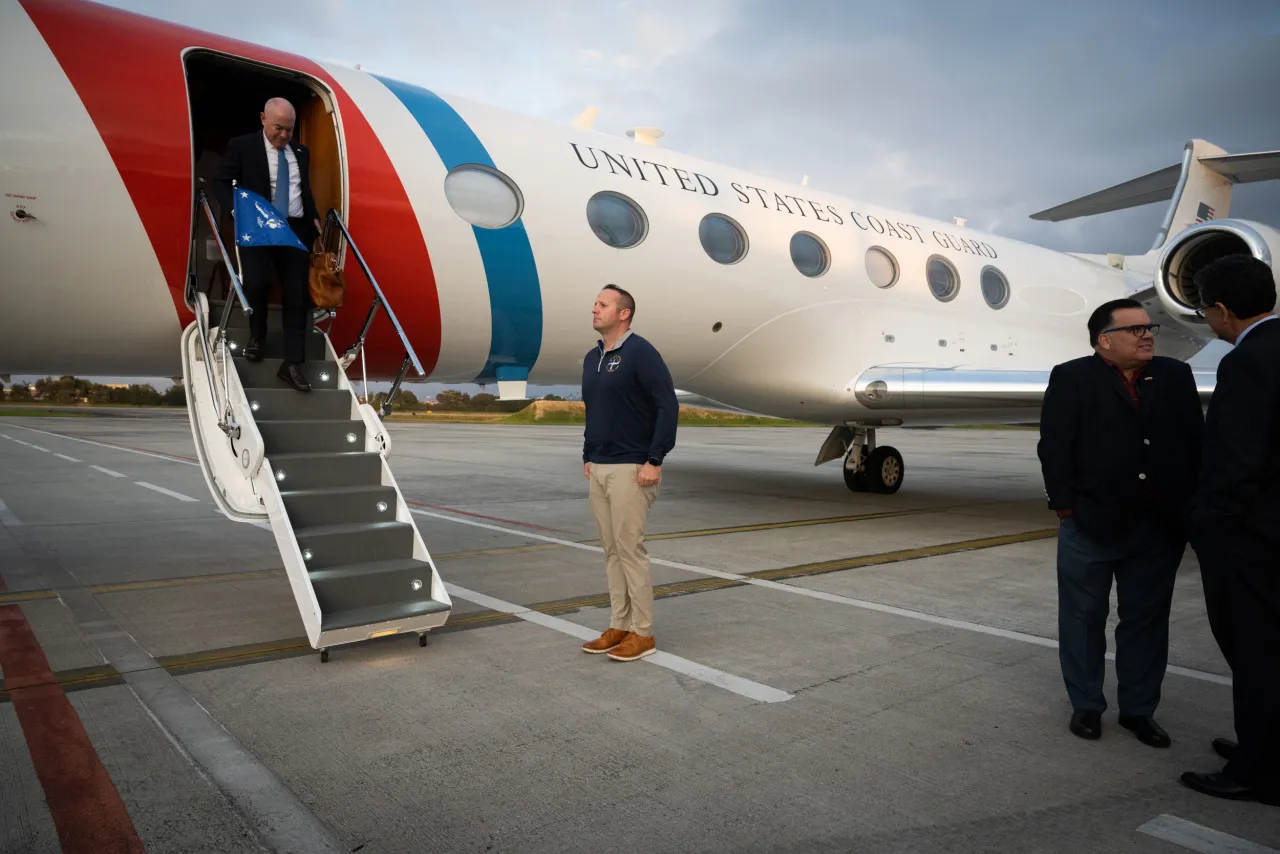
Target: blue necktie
<point x="281" y="200"/>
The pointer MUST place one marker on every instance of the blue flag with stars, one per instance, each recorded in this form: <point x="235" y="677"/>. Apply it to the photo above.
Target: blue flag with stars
<point x="258" y="223"/>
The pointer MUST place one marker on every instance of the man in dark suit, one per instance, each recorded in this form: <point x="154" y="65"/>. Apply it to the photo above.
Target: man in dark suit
<point x="1235" y="522"/>
<point x="1120" y="435"/>
<point x="257" y="161"/>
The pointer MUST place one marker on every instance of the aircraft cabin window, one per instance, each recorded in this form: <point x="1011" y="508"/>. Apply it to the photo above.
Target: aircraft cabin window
<point x="722" y="239"/>
<point x="616" y="220"/>
<point x="995" y="287"/>
<point x="943" y="279"/>
<point x="482" y="196"/>
<point x="809" y="254"/>
<point x="882" y="267"/>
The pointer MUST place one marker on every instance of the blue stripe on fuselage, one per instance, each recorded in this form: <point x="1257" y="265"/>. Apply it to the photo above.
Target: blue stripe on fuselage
<point x="515" y="297"/>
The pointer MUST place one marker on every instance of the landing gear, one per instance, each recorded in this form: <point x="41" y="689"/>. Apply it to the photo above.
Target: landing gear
<point x="871" y="469"/>
<point x="324" y="655"/>
<point x="422" y="638"/>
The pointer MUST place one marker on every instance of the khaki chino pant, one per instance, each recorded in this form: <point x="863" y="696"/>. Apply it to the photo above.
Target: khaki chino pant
<point x="621" y="506"/>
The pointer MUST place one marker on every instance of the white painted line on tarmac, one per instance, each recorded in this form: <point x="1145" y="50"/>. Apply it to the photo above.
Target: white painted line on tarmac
<point x="964" y="625"/>
<point x="105" y="445"/>
<point x="68" y="459"/>
<point x="7" y="518"/>
<point x="1197" y="837"/>
<point x="744" y="687"/>
<point x="111" y="472"/>
<point x="163" y="491"/>
<point x="38" y="448"/>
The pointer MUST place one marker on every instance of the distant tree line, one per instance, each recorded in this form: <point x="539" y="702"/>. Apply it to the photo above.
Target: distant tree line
<point x="451" y="400"/>
<point x="71" y="390"/>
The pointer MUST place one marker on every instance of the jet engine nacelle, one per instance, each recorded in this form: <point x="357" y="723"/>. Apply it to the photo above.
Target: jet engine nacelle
<point x="1187" y="253"/>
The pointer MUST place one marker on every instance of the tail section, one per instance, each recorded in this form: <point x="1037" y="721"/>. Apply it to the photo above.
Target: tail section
<point x="1202" y="193"/>
<point x="1198" y="189"/>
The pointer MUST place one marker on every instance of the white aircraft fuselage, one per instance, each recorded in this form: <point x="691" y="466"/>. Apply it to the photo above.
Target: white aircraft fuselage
<point x="112" y="119"/>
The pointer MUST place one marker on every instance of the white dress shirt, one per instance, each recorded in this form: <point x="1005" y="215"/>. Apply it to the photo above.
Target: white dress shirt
<point x="1249" y="328"/>
<point x="295" y="177"/>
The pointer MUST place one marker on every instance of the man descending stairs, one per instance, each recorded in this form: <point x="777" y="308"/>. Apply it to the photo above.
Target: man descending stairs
<point x="342" y="512"/>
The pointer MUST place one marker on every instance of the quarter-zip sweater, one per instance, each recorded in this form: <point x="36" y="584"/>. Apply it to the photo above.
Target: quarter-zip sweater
<point x="631" y="403"/>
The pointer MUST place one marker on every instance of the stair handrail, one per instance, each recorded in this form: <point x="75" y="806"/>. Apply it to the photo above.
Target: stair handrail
<point x="379" y="300"/>
<point x="221" y="404"/>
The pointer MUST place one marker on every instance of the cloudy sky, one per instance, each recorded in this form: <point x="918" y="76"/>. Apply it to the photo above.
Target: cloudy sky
<point x="987" y="110"/>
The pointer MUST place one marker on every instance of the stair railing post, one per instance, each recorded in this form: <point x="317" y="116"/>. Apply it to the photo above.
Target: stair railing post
<point x="395" y="386"/>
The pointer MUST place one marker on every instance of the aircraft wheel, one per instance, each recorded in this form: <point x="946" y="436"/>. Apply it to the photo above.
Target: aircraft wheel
<point x="884" y="470"/>
<point x="324" y="655"/>
<point x="856" y="480"/>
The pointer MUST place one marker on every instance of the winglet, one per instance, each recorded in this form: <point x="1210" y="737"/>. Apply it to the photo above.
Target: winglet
<point x="586" y="118"/>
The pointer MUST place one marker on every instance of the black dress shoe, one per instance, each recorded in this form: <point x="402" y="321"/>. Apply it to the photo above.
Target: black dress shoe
<point x="1226" y="748"/>
<point x="1086" y="723"/>
<point x="1219" y="785"/>
<point x="253" y="351"/>
<point x="1147" y="730"/>
<point x="290" y="373"/>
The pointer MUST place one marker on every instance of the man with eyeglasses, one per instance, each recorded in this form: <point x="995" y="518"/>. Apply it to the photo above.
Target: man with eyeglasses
<point x="1235" y="522"/>
<point x="1120" y="435"/>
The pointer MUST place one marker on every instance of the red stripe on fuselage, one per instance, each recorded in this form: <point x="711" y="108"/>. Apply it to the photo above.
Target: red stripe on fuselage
<point x="128" y="72"/>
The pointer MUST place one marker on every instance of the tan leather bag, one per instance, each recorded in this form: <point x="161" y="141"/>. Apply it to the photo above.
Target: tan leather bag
<point x="328" y="289"/>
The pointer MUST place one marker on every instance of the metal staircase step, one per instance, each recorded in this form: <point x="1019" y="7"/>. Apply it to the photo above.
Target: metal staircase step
<point x="336" y="545"/>
<point x="263" y="374"/>
<point x="313" y="436"/>
<point x="273" y="347"/>
<point x="286" y="404"/>
<point x="320" y="471"/>
<point x="380" y="614"/>
<point x="365" y="585"/>
<point x="339" y="505"/>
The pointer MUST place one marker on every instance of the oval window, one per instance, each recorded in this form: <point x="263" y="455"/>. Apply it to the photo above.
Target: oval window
<point x="882" y="267"/>
<point x="722" y="238"/>
<point x="616" y="220"/>
<point x="809" y="254"/>
<point x="943" y="279"/>
<point x="483" y="196"/>
<point x="995" y="287"/>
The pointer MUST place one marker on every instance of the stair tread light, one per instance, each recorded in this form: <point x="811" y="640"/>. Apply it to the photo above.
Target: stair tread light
<point x="324" y="376"/>
<point x="280" y="475"/>
<point x="306" y="554"/>
<point x="253" y="404"/>
<point x="351" y="437"/>
<point x="382" y="507"/>
<point x="416" y="584"/>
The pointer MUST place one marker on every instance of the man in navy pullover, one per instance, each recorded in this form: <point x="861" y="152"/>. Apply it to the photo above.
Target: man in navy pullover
<point x="631" y="427"/>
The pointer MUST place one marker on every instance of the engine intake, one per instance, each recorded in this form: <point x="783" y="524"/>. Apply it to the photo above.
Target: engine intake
<point x="1189" y="252"/>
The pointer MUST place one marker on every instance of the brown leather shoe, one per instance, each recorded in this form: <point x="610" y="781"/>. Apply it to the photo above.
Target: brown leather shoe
<point x="605" y="642"/>
<point x="633" y="647"/>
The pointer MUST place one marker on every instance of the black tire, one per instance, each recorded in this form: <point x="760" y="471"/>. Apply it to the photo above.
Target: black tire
<point x="856" y="480"/>
<point x="884" y="470"/>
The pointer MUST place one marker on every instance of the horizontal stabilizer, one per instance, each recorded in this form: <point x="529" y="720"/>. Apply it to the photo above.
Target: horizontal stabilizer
<point x="1157" y="186"/>
<point x="1246" y="168"/>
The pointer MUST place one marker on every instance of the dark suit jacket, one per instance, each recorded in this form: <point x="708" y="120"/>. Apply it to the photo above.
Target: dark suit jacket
<point x="1094" y="446"/>
<point x="246" y="162"/>
<point x="1239" y="491"/>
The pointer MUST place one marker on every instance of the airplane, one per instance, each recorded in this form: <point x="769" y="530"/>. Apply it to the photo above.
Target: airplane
<point x="473" y="241"/>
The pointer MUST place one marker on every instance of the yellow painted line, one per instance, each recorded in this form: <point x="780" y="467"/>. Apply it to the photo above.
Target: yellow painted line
<point x="26" y="596"/>
<point x="805" y="523"/>
<point x="184" y="582"/>
<point x="903" y="554"/>
<point x="233" y="653"/>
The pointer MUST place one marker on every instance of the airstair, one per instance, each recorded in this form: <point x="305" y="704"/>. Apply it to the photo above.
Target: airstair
<point x="310" y="466"/>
